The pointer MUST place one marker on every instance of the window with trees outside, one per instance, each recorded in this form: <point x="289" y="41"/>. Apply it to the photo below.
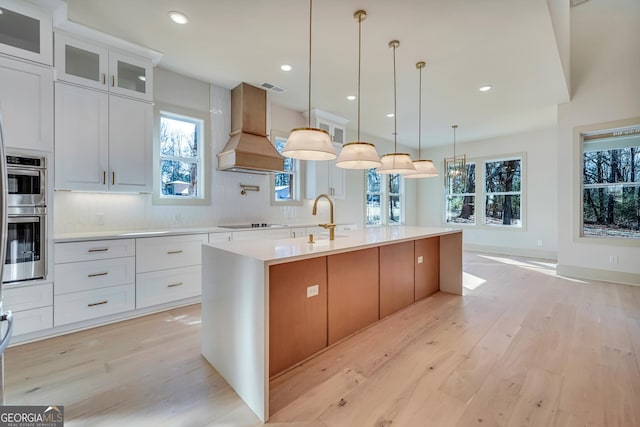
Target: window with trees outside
<point x="503" y="196"/>
<point x="384" y="199"/>
<point x="460" y="197"/>
<point x="611" y="184"/>
<point x="285" y="188"/>
<point x="181" y="144"/>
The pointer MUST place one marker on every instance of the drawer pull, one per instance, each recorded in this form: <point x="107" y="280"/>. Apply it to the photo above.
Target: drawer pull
<point x="173" y="285"/>
<point x="174" y="252"/>
<point x="98" y="274"/>
<point x="98" y="249"/>
<point x="97" y="303"/>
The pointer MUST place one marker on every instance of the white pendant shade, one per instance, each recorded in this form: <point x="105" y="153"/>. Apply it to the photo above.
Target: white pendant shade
<point x="396" y="163"/>
<point x="309" y="144"/>
<point x="358" y="155"/>
<point x="424" y="169"/>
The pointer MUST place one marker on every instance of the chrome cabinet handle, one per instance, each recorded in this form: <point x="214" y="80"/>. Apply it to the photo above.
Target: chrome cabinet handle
<point x="104" y="177"/>
<point x="104" y="78"/>
<point x="97" y="303"/>
<point x="173" y="285"/>
<point x="174" y="252"/>
<point x="97" y="274"/>
<point x="98" y="250"/>
<point x="113" y="80"/>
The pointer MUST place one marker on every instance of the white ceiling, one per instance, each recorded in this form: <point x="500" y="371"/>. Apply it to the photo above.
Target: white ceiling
<point x="509" y="44"/>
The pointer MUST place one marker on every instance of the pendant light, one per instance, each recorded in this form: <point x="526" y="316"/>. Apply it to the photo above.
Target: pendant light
<point x="395" y="163"/>
<point x="455" y="167"/>
<point x="424" y="168"/>
<point x="309" y="143"/>
<point x="358" y="155"/>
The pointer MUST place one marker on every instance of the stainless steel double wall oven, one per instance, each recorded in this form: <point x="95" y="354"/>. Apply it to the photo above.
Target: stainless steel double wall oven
<point x="27" y="218"/>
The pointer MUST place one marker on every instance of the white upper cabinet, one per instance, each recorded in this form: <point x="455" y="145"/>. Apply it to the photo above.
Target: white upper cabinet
<point x="25" y="31"/>
<point x="26" y="105"/>
<point x="100" y="67"/>
<point x="103" y="142"/>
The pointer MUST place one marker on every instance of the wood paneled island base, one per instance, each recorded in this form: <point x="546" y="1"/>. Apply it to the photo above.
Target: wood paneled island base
<point x="269" y="305"/>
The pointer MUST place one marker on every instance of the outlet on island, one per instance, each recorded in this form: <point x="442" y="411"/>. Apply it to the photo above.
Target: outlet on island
<point x="312" y="291"/>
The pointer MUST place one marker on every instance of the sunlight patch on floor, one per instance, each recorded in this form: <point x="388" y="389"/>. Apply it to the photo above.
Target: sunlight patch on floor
<point x="548" y="268"/>
<point x="472" y="282"/>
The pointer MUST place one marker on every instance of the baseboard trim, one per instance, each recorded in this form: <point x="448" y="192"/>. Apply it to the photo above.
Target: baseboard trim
<point x="597" y="274"/>
<point x="523" y="252"/>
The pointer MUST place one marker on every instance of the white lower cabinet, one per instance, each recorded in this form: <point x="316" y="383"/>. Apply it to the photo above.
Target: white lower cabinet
<point x="79" y="306"/>
<point x="159" y="287"/>
<point x="31" y="306"/>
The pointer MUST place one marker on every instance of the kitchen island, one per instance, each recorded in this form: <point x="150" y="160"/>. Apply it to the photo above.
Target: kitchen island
<point x="269" y="305"/>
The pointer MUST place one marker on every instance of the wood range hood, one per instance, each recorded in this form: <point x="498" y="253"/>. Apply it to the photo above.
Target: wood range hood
<point x="249" y="150"/>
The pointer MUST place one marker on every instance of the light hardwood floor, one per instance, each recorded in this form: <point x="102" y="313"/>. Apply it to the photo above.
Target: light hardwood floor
<point x="523" y="347"/>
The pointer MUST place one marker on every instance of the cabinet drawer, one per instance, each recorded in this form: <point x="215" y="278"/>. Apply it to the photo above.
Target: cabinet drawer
<point x="95" y="249"/>
<point x="216" y="237"/>
<point x="158" y="287"/>
<point x="161" y="253"/>
<point x="79" y="306"/>
<point x="27" y="297"/>
<point x="87" y="275"/>
<point x="28" y="321"/>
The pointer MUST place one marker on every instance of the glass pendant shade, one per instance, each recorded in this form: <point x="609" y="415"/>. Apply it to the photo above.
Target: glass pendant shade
<point x="309" y="144"/>
<point x="424" y="169"/>
<point x="358" y="155"/>
<point x="396" y="163"/>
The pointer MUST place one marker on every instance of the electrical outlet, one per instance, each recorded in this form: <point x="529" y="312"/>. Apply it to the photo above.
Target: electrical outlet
<point x="312" y="291"/>
<point x="539" y="242"/>
<point x="99" y="218"/>
<point x="613" y="259"/>
<point x="420" y="259"/>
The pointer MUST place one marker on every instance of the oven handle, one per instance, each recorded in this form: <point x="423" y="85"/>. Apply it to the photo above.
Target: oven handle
<point x="22" y="172"/>
<point x="20" y="219"/>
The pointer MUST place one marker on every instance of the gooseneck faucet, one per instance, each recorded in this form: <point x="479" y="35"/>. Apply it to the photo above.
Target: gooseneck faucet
<point x="331" y="226"/>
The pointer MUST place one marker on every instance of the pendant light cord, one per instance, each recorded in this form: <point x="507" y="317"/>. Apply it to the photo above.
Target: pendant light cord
<point x="420" y="115"/>
<point x="309" y="97"/>
<point x="359" y="64"/>
<point x="395" y="115"/>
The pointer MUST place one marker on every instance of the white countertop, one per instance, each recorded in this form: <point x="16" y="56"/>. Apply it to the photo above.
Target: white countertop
<point x="285" y="250"/>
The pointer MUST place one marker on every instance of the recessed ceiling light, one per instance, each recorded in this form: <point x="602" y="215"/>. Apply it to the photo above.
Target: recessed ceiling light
<point x="390" y="115"/>
<point x="351" y="97"/>
<point x="286" y="67"/>
<point x="178" y="17"/>
<point x="485" y="88"/>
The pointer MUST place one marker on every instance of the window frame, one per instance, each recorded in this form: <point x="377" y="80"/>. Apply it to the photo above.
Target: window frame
<point x="486" y="193"/>
<point x="579" y="133"/>
<point x="385" y="199"/>
<point x="447" y="193"/>
<point x="298" y="174"/>
<point x="162" y="109"/>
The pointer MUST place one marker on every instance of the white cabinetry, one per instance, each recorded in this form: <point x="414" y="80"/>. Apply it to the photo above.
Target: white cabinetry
<point x="25" y="31"/>
<point x="168" y="268"/>
<point x="324" y="176"/>
<point x="100" y="67"/>
<point x="103" y="142"/>
<point x="32" y="307"/>
<point x="93" y="279"/>
<point x="26" y="105"/>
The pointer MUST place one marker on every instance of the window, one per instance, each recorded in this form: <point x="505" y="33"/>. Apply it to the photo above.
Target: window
<point x="503" y="197"/>
<point x="181" y="144"/>
<point x="285" y="188"/>
<point x="460" y="194"/>
<point x="611" y="184"/>
<point x="384" y="199"/>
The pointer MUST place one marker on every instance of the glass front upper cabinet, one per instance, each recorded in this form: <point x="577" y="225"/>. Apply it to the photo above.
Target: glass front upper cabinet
<point x="89" y="64"/>
<point x="25" y="32"/>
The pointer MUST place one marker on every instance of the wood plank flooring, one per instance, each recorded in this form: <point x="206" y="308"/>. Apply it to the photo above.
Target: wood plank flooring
<point x="523" y="347"/>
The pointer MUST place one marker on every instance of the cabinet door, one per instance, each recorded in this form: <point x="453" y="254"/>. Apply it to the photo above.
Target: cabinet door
<point x="427" y="267"/>
<point x="130" y="76"/>
<point x="336" y="177"/>
<point x="325" y="177"/>
<point x="353" y="292"/>
<point x="81" y="138"/>
<point x="26" y="105"/>
<point x="297" y="322"/>
<point x="130" y="139"/>
<point x="25" y="31"/>
<point x="80" y="62"/>
<point x="396" y="277"/>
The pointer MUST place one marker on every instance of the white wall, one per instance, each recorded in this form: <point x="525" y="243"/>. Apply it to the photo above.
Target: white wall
<point x="539" y="201"/>
<point x="605" y="46"/>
